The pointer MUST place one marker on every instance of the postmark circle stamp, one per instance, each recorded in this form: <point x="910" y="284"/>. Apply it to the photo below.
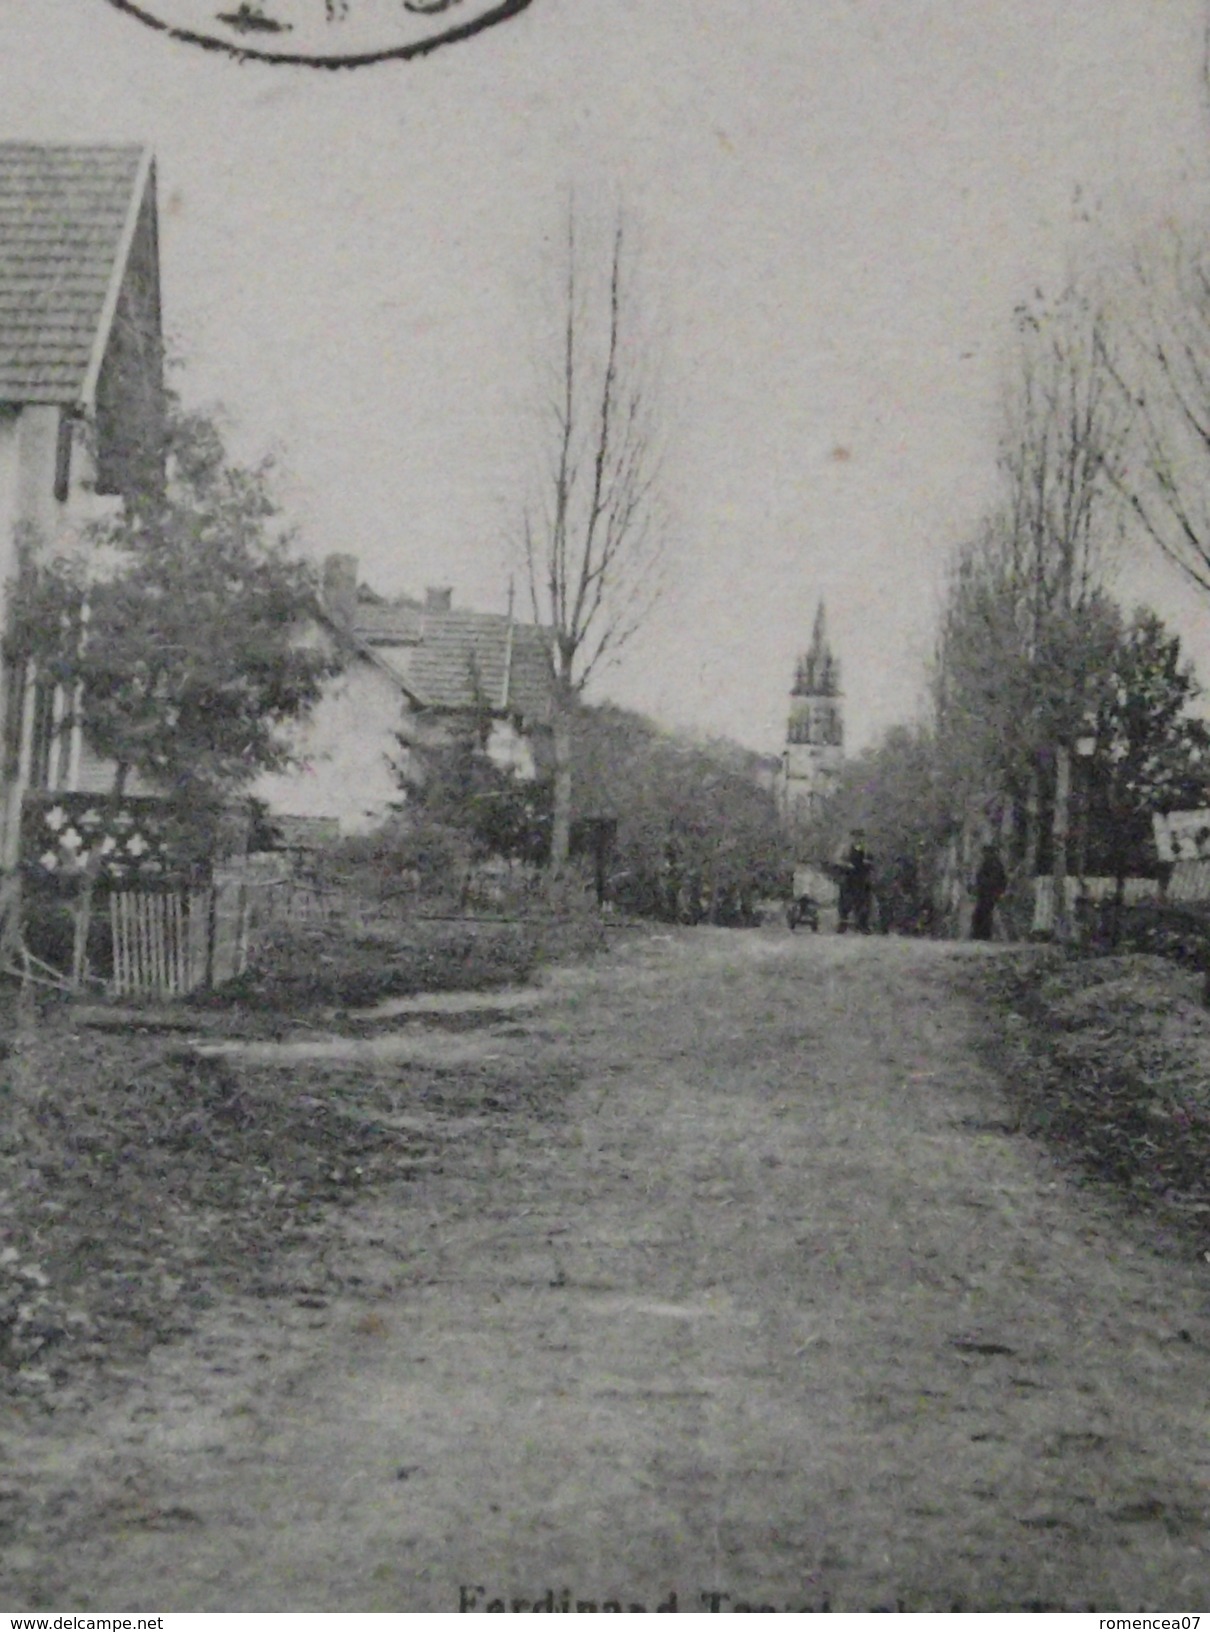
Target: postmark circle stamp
<point x="321" y="33"/>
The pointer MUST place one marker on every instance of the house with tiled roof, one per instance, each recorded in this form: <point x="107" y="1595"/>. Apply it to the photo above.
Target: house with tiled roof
<point x="81" y="395"/>
<point x="412" y="672"/>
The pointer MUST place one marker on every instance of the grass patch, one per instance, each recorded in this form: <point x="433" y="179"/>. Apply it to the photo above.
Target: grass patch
<point x="337" y="966"/>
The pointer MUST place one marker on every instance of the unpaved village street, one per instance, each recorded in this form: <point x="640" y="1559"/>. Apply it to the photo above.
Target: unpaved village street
<point x="756" y="1293"/>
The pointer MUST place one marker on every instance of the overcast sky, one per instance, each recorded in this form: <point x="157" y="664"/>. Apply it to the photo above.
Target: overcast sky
<point x="841" y="201"/>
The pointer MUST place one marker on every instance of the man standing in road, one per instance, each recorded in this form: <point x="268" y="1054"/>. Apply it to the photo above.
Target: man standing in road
<point x="991" y="881"/>
<point x="856" y="884"/>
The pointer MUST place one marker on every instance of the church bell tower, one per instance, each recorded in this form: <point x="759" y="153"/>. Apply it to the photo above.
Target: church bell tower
<point x="814" y="749"/>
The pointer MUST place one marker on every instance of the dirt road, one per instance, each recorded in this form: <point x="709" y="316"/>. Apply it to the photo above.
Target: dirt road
<point x="759" y="1296"/>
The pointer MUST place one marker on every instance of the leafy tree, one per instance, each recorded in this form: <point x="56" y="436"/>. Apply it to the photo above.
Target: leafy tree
<point x="174" y="631"/>
<point x="896" y="793"/>
<point x="698" y="835"/>
<point x="1149" y="754"/>
<point x="451" y="784"/>
<point x="1025" y="624"/>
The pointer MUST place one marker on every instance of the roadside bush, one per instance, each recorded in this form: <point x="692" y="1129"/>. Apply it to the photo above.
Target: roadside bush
<point x="1178" y="932"/>
<point x="405" y="857"/>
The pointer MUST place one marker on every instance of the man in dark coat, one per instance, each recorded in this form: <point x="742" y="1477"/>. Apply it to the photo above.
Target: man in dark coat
<point x="991" y="881"/>
<point x="856" y="884"/>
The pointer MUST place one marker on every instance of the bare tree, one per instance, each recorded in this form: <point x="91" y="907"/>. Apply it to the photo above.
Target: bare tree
<point x="1061" y="452"/>
<point x="1163" y="376"/>
<point x="593" y="539"/>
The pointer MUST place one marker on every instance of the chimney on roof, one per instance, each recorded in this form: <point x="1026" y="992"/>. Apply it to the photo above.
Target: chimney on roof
<point x="438" y="598"/>
<point x="340" y="586"/>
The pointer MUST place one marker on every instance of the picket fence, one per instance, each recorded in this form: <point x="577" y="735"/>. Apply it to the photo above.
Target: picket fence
<point x="1190" y="881"/>
<point x="159" y="942"/>
<point x="168" y="943"/>
<point x="1188" y="884"/>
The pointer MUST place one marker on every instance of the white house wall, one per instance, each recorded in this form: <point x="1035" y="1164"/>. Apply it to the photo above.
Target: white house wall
<point x="38" y="436"/>
<point x="510" y="750"/>
<point x="343" y="749"/>
<point x="28" y="446"/>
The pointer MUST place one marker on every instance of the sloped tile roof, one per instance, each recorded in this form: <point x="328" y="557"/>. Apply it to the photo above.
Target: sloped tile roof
<point x="530" y="688"/>
<point x="63" y="214"/>
<point x="388" y="623"/>
<point x="459" y="653"/>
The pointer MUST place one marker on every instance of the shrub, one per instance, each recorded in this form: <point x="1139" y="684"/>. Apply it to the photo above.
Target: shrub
<point x="1179" y="932"/>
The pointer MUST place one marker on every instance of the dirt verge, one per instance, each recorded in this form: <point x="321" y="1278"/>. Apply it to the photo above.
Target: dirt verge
<point x="1109" y="1062"/>
<point x="144" y="1179"/>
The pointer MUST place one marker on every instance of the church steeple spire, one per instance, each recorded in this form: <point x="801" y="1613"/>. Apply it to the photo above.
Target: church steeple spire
<point x="814" y="747"/>
<point x="818" y="672"/>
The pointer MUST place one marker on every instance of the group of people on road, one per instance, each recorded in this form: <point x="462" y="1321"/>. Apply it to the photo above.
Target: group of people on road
<point x="854" y="871"/>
